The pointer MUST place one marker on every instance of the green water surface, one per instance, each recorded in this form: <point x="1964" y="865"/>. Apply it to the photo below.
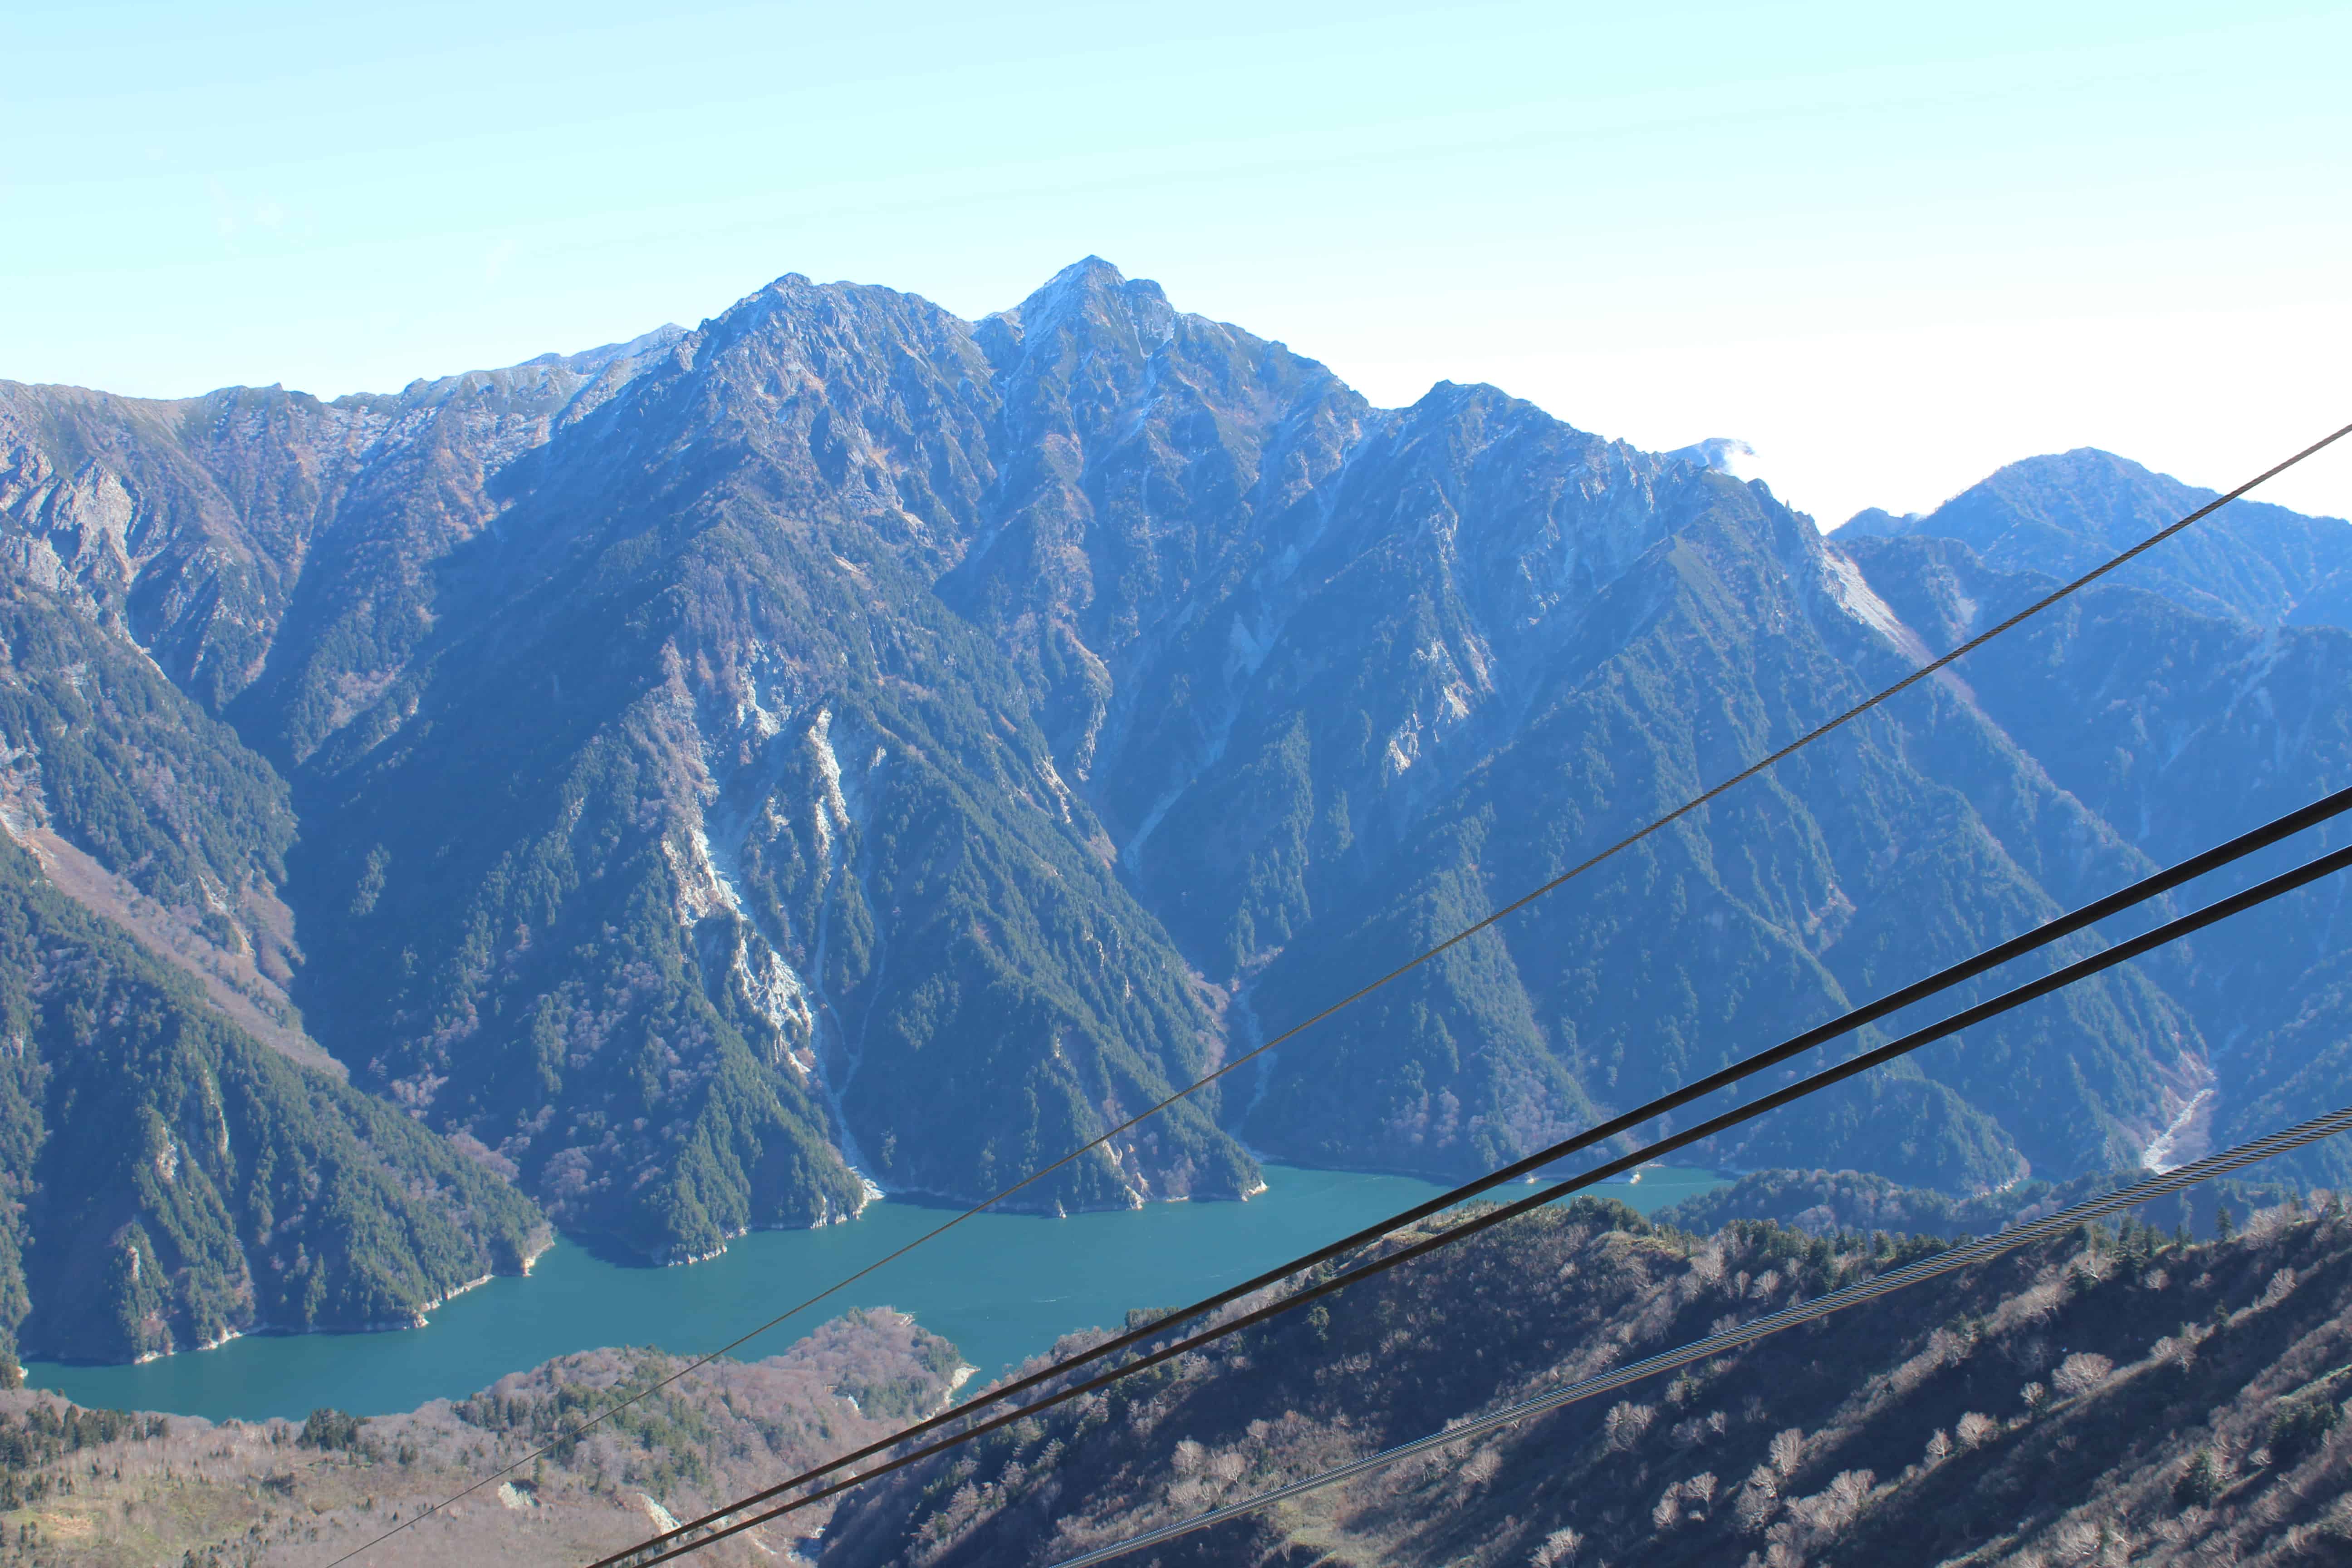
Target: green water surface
<point x="1002" y="1287"/>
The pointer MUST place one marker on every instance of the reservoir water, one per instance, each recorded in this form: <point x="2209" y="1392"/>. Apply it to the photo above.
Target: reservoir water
<point x="1002" y="1287"/>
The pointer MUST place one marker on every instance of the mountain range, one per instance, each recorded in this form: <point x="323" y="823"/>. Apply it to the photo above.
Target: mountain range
<point x="690" y="785"/>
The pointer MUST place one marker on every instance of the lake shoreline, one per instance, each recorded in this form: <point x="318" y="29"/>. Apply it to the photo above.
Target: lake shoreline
<point x="1001" y="1288"/>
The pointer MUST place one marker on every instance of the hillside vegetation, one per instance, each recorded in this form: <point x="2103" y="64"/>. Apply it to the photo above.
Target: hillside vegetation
<point x="842" y="746"/>
<point x="2118" y="1394"/>
<point x="2125" y="1394"/>
<point x="170" y="1181"/>
<point x="85" y="1489"/>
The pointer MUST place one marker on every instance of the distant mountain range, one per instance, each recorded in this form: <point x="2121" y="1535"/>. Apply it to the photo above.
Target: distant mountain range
<point x="2062" y="515"/>
<point x="684" y="785"/>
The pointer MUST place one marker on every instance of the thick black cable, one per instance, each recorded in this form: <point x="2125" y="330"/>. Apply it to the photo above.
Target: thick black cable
<point x="1360" y="991"/>
<point x="2142" y="891"/>
<point x="1963" y="1257"/>
<point x="2171" y="931"/>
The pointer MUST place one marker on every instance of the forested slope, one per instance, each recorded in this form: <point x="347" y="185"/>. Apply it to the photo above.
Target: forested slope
<point x="845" y="744"/>
<point x="2114" y="1392"/>
<point x="171" y="1181"/>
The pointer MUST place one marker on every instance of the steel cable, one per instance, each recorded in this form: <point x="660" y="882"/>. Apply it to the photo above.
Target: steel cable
<point x="2275" y="886"/>
<point x="1855" y="1295"/>
<point x="2139" y="892"/>
<point x="1459" y="937"/>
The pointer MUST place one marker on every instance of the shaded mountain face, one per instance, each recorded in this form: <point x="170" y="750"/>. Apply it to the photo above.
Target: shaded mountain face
<point x="2063" y="514"/>
<point x="845" y="744"/>
<point x="182" y="1161"/>
<point x="1829" y="1203"/>
<point x="172" y="1182"/>
<point x="2182" y="730"/>
<point x="2111" y="1393"/>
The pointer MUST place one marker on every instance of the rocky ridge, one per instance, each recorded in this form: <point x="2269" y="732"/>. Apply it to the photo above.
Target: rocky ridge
<point x="844" y="745"/>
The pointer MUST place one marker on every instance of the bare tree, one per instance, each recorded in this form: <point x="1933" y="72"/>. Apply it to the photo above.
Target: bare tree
<point x="2081" y="1372"/>
<point x="1758" y="1499"/>
<point x="1626" y="1424"/>
<point x="1558" y="1550"/>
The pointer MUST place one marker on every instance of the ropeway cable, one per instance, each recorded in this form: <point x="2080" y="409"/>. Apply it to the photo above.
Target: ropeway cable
<point x="1475" y="1223"/>
<point x="1631" y="840"/>
<point x="2171" y="931"/>
<point x="2139" y="892"/>
<point x="1958" y="1258"/>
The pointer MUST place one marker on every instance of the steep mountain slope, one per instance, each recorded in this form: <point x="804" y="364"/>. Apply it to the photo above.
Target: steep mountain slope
<point x="2063" y="514"/>
<point x="171" y="1181"/>
<point x="2105" y="1397"/>
<point x="747" y="760"/>
<point x="169" y="1178"/>
<point x="149" y="811"/>
<point x="191" y="524"/>
<point x="846" y="744"/>
<point x="1763" y="916"/>
<point x="658" y="596"/>
<point x="2182" y="730"/>
<point x="1362" y="612"/>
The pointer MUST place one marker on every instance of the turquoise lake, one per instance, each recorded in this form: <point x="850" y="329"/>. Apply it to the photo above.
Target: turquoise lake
<point x="1002" y="1287"/>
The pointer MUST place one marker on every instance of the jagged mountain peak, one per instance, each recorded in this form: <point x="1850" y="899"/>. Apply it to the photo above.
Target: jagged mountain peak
<point x="1091" y="267"/>
<point x="597" y="359"/>
<point x="2084" y="490"/>
<point x="1476" y="402"/>
<point x="1088" y="280"/>
<point x="1090" y="309"/>
<point x="794" y="304"/>
<point x="1090" y="303"/>
<point x="917" y="714"/>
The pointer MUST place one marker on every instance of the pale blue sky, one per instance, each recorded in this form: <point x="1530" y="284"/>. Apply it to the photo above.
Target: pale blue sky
<point x="1893" y="246"/>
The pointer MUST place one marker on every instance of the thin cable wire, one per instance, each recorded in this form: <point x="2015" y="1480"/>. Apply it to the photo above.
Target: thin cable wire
<point x="1475" y="1223"/>
<point x="1958" y="1258"/>
<point x="2142" y="891"/>
<point x="1356" y="996"/>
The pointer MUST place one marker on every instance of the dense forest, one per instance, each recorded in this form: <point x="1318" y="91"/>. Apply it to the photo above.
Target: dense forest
<point x="171" y="1182"/>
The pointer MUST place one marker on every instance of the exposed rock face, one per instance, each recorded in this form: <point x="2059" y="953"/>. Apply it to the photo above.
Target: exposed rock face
<point x="845" y="744"/>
